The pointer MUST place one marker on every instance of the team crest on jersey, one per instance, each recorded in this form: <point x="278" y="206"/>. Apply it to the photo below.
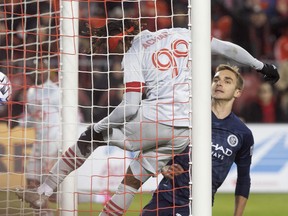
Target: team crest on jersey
<point x="232" y="140"/>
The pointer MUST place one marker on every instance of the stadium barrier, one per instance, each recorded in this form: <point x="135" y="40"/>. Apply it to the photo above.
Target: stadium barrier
<point x="269" y="170"/>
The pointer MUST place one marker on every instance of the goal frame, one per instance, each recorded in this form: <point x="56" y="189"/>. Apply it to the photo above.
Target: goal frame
<point x="201" y="113"/>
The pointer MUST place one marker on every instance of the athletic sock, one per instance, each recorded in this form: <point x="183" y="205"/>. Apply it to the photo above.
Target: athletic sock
<point x="120" y="201"/>
<point x="71" y="160"/>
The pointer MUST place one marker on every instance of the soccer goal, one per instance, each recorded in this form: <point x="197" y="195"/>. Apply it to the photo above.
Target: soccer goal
<point x="61" y="86"/>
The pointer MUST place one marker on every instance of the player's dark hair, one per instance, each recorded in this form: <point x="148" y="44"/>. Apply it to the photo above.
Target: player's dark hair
<point x="128" y="27"/>
<point x="234" y="69"/>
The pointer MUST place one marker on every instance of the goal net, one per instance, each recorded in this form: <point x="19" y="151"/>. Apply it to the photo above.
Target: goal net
<point x="59" y="88"/>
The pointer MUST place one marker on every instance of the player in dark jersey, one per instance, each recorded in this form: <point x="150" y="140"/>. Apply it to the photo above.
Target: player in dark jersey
<point x="232" y="141"/>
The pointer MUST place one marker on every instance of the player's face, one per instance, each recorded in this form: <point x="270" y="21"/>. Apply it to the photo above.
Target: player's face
<point x="224" y="86"/>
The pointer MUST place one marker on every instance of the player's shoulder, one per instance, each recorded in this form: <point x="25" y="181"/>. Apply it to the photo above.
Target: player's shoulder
<point x="180" y="30"/>
<point x="145" y="34"/>
<point x="50" y="84"/>
<point x="32" y="90"/>
<point x="240" y="124"/>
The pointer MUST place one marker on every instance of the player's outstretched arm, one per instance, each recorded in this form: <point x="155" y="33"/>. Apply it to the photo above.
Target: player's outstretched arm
<point x="125" y="110"/>
<point x="240" y="203"/>
<point x="235" y="52"/>
<point x="239" y="54"/>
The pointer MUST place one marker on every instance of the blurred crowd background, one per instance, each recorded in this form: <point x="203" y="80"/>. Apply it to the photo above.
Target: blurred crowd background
<point x="30" y="30"/>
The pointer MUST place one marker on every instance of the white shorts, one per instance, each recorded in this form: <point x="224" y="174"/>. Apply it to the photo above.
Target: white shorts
<point x="43" y="157"/>
<point x="157" y="144"/>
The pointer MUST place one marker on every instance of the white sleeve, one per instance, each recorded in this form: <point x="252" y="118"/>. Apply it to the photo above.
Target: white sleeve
<point x="123" y="112"/>
<point x="27" y="120"/>
<point x="235" y="52"/>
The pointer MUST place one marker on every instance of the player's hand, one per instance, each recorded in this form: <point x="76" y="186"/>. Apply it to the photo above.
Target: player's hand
<point x="84" y="142"/>
<point x="270" y="73"/>
<point x="170" y="171"/>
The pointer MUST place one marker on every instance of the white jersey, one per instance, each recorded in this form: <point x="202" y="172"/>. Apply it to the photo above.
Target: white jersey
<point x="159" y="60"/>
<point x="42" y="111"/>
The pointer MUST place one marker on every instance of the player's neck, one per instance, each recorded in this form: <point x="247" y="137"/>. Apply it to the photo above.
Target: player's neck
<point x="221" y="108"/>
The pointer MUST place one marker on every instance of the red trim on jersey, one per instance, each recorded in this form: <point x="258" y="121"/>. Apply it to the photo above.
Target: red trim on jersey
<point x="134" y="87"/>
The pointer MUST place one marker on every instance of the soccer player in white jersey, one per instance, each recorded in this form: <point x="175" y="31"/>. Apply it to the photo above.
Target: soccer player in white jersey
<point x="42" y="112"/>
<point x="155" y="64"/>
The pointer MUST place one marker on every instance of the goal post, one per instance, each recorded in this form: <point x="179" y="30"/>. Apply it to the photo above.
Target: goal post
<point x="68" y="82"/>
<point x="201" y="112"/>
<point x="90" y="83"/>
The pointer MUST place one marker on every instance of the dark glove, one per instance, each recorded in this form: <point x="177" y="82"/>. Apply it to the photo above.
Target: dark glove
<point x="84" y="142"/>
<point x="270" y="73"/>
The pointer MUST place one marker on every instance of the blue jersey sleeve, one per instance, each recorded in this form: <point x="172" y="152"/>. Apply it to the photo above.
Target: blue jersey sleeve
<point x="243" y="162"/>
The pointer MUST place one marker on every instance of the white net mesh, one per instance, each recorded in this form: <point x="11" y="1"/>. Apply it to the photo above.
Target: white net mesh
<point x="32" y="123"/>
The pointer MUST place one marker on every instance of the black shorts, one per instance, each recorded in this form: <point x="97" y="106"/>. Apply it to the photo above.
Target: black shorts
<point x="159" y="206"/>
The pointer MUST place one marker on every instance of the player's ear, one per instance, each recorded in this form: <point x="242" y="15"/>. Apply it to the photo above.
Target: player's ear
<point x="237" y="93"/>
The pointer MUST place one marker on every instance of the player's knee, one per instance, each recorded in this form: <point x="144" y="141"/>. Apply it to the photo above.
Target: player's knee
<point x="131" y="180"/>
<point x="125" y="188"/>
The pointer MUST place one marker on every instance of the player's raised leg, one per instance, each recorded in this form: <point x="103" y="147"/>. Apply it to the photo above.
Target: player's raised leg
<point x="71" y="160"/>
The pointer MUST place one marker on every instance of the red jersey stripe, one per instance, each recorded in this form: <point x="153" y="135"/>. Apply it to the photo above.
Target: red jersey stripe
<point x="134" y="87"/>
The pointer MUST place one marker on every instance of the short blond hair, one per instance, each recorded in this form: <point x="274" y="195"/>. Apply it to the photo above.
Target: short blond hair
<point x="234" y="69"/>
